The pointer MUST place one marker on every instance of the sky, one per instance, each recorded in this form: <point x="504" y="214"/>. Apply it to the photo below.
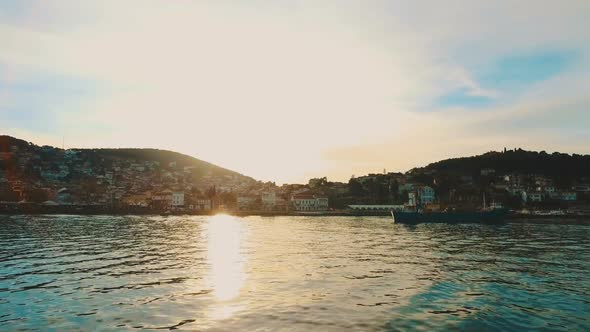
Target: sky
<point x="288" y="90"/>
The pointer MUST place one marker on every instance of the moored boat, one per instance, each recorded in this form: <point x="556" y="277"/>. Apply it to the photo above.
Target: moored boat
<point x="485" y="217"/>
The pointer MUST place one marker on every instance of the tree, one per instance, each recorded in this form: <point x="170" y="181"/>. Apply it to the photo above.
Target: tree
<point x="393" y="189"/>
<point x="355" y="187"/>
<point x="317" y="182"/>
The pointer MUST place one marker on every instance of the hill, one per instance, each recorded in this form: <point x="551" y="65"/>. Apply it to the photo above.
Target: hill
<point x="98" y="175"/>
<point x="10" y="144"/>
<point x="518" y="161"/>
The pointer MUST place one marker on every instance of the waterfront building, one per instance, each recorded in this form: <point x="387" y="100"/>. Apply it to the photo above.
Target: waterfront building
<point x="177" y="199"/>
<point x="201" y="204"/>
<point x="569" y="196"/>
<point x="426" y="195"/>
<point x="309" y="202"/>
<point x="376" y="207"/>
<point x="532" y="196"/>
<point x="162" y="199"/>
<point x="269" y="200"/>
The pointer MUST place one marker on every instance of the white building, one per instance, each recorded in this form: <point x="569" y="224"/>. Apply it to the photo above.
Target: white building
<point x="569" y="196"/>
<point x="412" y="199"/>
<point x="178" y="199"/>
<point x="496" y="205"/>
<point x="202" y="204"/>
<point x="309" y="202"/>
<point x="269" y="200"/>
<point x="533" y="197"/>
<point x="426" y="195"/>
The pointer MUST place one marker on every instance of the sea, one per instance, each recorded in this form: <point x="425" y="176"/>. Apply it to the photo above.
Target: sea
<point x="225" y="273"/>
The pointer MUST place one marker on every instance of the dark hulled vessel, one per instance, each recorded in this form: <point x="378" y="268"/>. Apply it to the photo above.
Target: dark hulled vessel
<point x="483" y="217"/>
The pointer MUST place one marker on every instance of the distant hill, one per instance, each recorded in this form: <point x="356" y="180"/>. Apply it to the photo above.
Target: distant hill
<point x="164" y="157"/>
<point x="101" y="156"/>
<point x="518" y="161"/>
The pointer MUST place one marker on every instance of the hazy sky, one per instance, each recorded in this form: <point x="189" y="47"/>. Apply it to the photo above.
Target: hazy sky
<point x="287" y="90"/>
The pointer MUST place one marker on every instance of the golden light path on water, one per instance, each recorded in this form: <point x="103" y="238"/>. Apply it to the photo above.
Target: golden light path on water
<point x="244" y="267"/>
<point x="226" y="273"/>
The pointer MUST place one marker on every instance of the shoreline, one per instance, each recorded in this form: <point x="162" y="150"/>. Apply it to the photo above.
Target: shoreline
<point x="89" y="211"/>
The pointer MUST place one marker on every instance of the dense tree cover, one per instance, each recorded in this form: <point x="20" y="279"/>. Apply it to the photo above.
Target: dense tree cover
<point x="460" y="180"/>
<point x="555" y="165"/>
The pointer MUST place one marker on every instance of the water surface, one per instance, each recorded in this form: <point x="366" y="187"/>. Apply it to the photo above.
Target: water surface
<point x="290" y="273"/>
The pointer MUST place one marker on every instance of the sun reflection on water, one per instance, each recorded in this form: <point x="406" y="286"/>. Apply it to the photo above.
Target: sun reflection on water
<point x="226" y="273"/>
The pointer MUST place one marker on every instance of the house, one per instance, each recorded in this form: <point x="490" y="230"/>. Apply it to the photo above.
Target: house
<point x="422" y="195"/>
<point x="162" y="199"/>
<point x="309" y="202"/>
<point x="496" y="205"/>
<point x="534" y="196"/>
<point x="426" y="195"/>
<point x="177" y="199"/>
<point x="568" y="196"/>
<point x="269" y="200"/>
<point x="551" y="192"/>
<point x="201" y="204"/>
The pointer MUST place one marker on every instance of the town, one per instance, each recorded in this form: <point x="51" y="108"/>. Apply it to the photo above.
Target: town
<point x="48" y="179"/>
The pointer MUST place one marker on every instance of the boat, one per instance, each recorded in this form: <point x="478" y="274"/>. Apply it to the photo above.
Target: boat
<point x="484" y="216"/>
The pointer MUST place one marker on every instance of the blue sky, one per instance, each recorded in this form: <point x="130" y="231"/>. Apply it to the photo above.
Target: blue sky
<point x="508" y="76"/>
<point x="34" y="102"/>
<point x="330" y="88"/>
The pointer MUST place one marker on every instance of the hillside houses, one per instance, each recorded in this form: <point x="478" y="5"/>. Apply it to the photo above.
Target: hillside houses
<point x="159" y="181"/>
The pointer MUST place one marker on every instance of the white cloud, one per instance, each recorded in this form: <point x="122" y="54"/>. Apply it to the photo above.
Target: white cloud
<point x="282" y="91"/>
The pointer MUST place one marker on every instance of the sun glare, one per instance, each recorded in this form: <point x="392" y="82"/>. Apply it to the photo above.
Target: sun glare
<point x="224" y="256"/>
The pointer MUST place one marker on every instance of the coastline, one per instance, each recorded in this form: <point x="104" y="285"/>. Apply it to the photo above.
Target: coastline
<point x="100" y="210"/>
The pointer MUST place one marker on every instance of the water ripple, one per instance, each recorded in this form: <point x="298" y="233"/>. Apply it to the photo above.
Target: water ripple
<point x="290" y="273"/>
